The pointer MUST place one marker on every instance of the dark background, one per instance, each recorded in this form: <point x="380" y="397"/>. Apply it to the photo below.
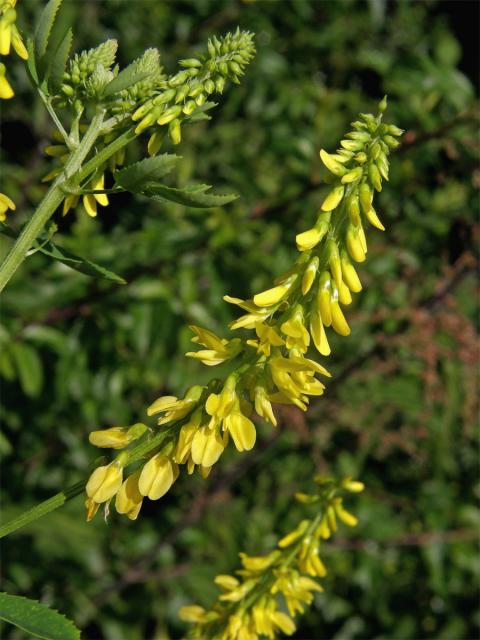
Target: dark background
<point x="401" y="409"/>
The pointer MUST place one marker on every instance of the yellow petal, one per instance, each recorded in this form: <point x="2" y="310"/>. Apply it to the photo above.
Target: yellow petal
<point x="242" y="431"/>
<point x="270" y="296"/>
<point x="308" y="239"/>
<point x="338" y="319"/>
<point x="90" y="205"/>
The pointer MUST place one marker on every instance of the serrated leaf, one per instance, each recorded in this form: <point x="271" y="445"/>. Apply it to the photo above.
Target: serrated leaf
<point x="137" y="175"/>
<point x="59" y="62"/>
<point x="44" y="28"/>
<point x="36" y="618"/>
<point x="29" y="367"/>
<point x="78" y="263"/>
<point x="126" y="78"/>
<point x="191" y="196"/>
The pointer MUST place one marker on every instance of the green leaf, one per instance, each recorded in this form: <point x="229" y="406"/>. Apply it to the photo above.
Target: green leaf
<point x="126" y="78"/>
<point x="136" y="176"/>
<point x="78" y="263"/>
<point x="191" y="196"/>
<point x="29" y="367"/>
<point x="53" y="41"/>
<point x="44" y="29"/>
<point x="59" y="62"/>
<point x="69" y="259"/>
<point x="36" y="618"/>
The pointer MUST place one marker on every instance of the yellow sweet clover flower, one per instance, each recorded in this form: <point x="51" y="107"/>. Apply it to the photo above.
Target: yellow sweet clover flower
<point x="9" y="37"/>
<point x="249" y="606"/>
<point x="6" y="203"/>
<point x="276" y="364"/>
<point x="6" y="91"/>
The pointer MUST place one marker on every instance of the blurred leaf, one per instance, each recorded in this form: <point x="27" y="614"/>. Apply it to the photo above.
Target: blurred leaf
<point x="29" y="367"/>
<point x="36" y="618"/>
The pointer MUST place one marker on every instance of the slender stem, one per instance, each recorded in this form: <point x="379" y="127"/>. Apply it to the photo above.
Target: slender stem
<point x="56" y="120"/>
<point x="103" y="155"/>
<point x="48" y="205"/>
<point x="42" y="509"/>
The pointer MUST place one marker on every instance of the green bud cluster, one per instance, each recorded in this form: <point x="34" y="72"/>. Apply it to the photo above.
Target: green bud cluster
<point x="85" y="64"/>
<point x="148" y="64"/>
<point x="186" y="91"/>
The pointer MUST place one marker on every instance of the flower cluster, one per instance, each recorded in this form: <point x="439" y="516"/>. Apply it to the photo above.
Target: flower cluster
<point x="273" y="366"/>
<point x="155" y="102"/>
<point x="271" y="590"/>
<point x="9" y="37"/>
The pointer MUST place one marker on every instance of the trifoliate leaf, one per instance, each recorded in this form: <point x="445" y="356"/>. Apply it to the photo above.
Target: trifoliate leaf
<point x="36" y="618"/>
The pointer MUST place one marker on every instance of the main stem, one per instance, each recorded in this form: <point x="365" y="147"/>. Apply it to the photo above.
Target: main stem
<point x="48" y="205"/>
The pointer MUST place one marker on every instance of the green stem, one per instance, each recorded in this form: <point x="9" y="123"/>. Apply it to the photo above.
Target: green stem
<point x="106" y="153"/>
<point x="42" y="509"/>
<point x="48" y="205"/>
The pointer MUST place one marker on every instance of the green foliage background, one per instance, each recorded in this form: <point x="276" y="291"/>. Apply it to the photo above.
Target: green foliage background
<point x="400" y="413"/>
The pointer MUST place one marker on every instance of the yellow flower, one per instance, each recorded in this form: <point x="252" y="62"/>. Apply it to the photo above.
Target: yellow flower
<point x="258" y="563"/>
<point x="92" y="508"/>
<point x="227" y="582"/>
<point x="294" y="535"/>
<point x="334" y="198"/>
<point x="268" y="337"/>
<point x="345" y="516"/>
<point x="129" y="500"/>
<point x="308" y="239"/>
<point x="9" y="34"/>
<point x="192" y="613"/>
<point x="294" y="328"/>
<point x="309" y="275"/>
<point x="263" y="406"/>
<point x="241" y="429"/>
<point x="104" y="482"/>
<point x="218" y="406"/>
<point x="6" y="91"/>
<point x="218" y="350"/>
<point x="271" y="296"/>
<point x="318" y="334"/>
<point x="185" y="438"/>
<point x="283" y="622"/>
<point x="207" y="446"/>
<point x="113" y="438"/>
<point x="5" y="204"/>
<point x="174" y="408"/>
<point x="157" y="476"/>
<point x="354" y="486"/>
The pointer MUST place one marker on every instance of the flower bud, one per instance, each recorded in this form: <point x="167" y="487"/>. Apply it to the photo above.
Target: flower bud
<point x="334" y="198"/>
